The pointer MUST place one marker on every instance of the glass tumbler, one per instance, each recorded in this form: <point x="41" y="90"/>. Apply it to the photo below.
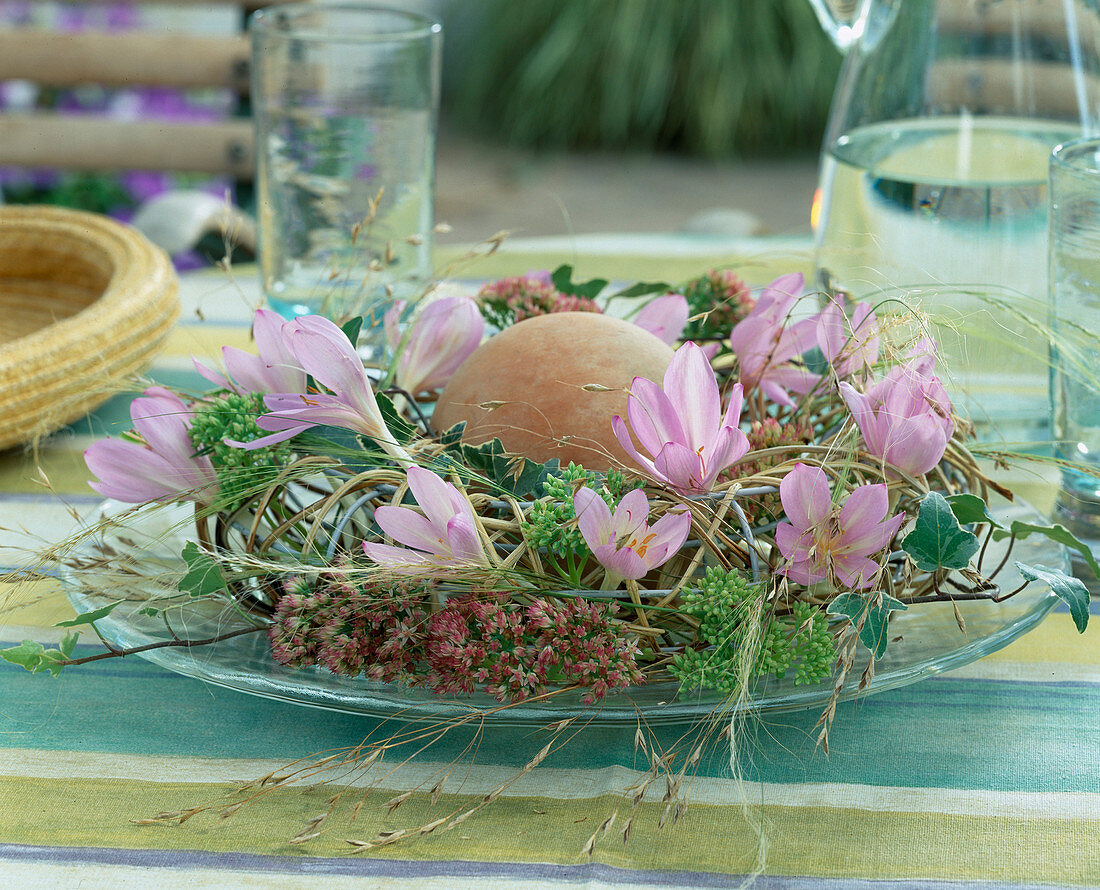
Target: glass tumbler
<point x="345" y="101"/>
<point x="1075" y="311"/>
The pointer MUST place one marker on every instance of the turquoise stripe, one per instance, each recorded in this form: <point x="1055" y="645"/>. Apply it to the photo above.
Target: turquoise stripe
<point x="947" y="733"/>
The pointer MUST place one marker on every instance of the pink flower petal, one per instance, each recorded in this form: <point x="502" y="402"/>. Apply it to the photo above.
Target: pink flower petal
<point x="804" y="493"/>
<point x="681" y="466"/>
<point x="623" y="562"/>
<point x="691" y="387"/>
<point x="653" y="418"/>
<point x="593" y="518"/>
<point x="408" y="527"/>
<point x="664" y="317"/>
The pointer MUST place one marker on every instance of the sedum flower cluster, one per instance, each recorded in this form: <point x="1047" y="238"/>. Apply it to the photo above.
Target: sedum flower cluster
<point x="510" y="650"/>
<point x="729" y="609"/>
<point x="351" y="628"/>
<point x="717" y="300"/>
<point x="552" y="521"/>
<point x="231" y="417"/>
<point x="511" y="300"/>
<point x="514" y="651"/>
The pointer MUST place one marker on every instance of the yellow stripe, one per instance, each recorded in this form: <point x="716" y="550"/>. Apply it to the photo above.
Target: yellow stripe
<point x="815" y="840"/>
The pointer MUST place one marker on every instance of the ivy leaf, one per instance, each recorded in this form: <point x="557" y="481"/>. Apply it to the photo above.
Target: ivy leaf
<point x="937" y="541"/>
<point x="351" y="329"/>
<point x="1057" y="533"/>
<point x="1071" y="591"/>
<point x="970" y="509"/>
<point x="874" y="633"/>
<point x="204" y="576"/>
<point x="562" y="278"/>
<point x="514" y="474"/>
<point x="403" y="431"/>
<point x="36" y="658"/>
<point x="452" y="437"/>
<point x="89" y="617"/>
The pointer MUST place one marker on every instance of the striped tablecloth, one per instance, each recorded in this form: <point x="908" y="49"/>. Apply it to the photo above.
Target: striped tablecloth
<point x="985" y="777"/>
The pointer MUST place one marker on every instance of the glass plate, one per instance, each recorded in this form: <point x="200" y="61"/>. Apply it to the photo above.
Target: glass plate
<point x="930" y="643"/>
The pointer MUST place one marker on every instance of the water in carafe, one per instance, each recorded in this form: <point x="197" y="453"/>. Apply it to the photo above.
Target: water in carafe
<point x="934" y="180"/>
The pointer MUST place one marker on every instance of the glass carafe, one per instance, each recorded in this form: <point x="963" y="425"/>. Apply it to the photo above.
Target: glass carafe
<point x="934" y="177"/>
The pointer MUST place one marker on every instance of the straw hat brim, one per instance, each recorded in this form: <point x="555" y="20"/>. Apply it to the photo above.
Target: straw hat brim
<point x="85" y="302"/>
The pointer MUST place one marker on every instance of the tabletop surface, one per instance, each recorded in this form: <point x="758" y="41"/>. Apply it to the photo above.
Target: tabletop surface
<point x="985" y="777"/>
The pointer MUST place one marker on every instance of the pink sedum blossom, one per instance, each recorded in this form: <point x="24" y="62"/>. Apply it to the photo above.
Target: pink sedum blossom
<point x="688" y="439"/>
<point x="766" y="343"/>
<point x="905" y="418"/>
<point x="165" y="466"/>
<point x="664" y="317"/>
<point x="275" y="369"/>
<point x="623" y="543"/>
<point x="440" y="338"/>
<point x="444" y="535"/>
<point x="817" y="541"/>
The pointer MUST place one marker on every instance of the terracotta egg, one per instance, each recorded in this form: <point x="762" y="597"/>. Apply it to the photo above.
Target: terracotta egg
<point x="538" y="368"/>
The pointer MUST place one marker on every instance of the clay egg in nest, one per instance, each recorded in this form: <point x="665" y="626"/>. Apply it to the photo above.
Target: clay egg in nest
<point x="538" y="369"/>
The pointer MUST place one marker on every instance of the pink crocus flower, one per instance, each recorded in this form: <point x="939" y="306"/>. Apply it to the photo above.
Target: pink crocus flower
<point x="664" y="317"/>
<point x="440" y="338"/>
<point x="849" y="345"/>
<point x="275" y="369"/>
<point x="766" y="342"/>
<point x="162" y="465"/>
<point x="324" y="352"/>
<point x="681" y="426"/>
<point x="623" y="542"/>
<point x="444" y="535"/>
<point x="818" y="541"/>
<point x="905" y="418"/>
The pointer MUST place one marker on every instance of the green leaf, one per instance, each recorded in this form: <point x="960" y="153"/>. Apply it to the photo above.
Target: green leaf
<point x="562" y="278"/>
<point x="514" y="474"/>
<point x="453" y="436"/>
<point x="88" y="617"/>
<point x="68" y="643"/>
<point x="403" y="431"/>
<point x="204" y="576"/>
<point x="643" y="288"/>
<point x="351" y="329"/>
<point x="1070" y="590"/>
<point x="37" y="658"/>
<point x="1057" y="533"/>
<point x="937" y="541"/>
<point x="970" y="509"/>
<point x="875" y="631"/>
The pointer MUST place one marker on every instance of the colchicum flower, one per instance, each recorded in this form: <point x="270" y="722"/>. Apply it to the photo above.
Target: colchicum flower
<point x="767" y="342"/>
<point x="162" y="465"/>
<point x="905" y="418"/>
<point x="849" y="345"/>
<point x="623" y="543"/>
<point x="324" y="352"/>
<point x="445" y="535"/>
<point x="440" y="338"/>
<point x="819" y="542"/>
<point x="689" y="440"/>
<point x="275" y="369"/>
<point x="664" y="317"/>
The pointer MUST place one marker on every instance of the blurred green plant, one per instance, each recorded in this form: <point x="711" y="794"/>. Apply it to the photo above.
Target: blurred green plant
<point x="708" y="77"/>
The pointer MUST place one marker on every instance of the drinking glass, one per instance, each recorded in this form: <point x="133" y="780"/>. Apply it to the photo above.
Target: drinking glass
<point x="933" y="188"/>
<point x="1075" y="300"/>
<point x="345" y="101"/>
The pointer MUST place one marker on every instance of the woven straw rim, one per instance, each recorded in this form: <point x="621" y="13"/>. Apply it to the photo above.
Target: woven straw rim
<point x="61" y="371"/>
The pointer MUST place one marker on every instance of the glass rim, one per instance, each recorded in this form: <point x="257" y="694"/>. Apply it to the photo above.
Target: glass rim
<point x="1066" y="156"/>
<point x="285" y="19"/>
